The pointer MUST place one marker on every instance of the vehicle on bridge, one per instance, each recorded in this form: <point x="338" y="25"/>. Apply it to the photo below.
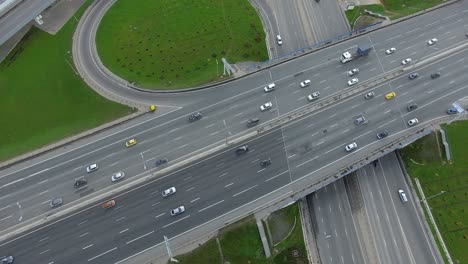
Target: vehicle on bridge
<point x="242" y="150"/>
<point x="56" y="202"/>
<point x="118" y="176"/>
<point x="80" y="182"/>
<point x="353" y="72"/>
<point x="265" y="163"/>
<point x="369" y="95"/>
<point x="435" y="75"/>
<point x="413" y="122"/>
<point x="252" y="122"/>
<point x="266" y="106"/>
<point x="7" y="260"/>
<point x="452" y="111"/>
<point x="432" y="41"/>
<point x="382" y="134"/>
<point x="160" y="162"/>
<point x="195" y="116"/>
<point x="177" y="210"/>
<point x="351" y="147"/>
<point x="402" y="195"/>
<point x="269" y="88"/>
<point x="168" y="192"/>
<point x="406" y="61"/>
<point x="353" y="81"/>
<point x="92" y="167"/>
<point x="390" y="51"/>
<point x="390" y="95"/>
<point x="305" y="83"/>
<point x="130" y="143"/>
<point x="108" y="204"/>
<point x="412" y="107"/>
<point x="362" y="50"/>
<point x="413" y="75"/>
<point x="313" y="96"/>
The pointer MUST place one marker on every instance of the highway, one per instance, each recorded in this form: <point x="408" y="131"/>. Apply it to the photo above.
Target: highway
<point x="170" y="135"/>
<point x="20" y="16"/>
<point x="364" y="216"/>
<point x="311" y="145"/>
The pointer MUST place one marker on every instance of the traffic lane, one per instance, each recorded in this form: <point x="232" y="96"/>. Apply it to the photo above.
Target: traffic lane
<point x="416" y="239"/>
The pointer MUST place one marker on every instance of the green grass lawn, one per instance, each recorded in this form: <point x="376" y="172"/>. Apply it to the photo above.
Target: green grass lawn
<point x="435" y="174"/>
<point x="43" y="100"/>
<point x="394" y="9"/>
<point x="169" y="44"/>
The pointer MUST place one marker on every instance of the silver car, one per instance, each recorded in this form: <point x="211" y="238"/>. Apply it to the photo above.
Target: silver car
<point x="351" y="147"/>
<point x="92" y="167"/>
<point x="390" y="51"/>
<point x="177" y="210"/>
<point x="118" y="176"/>
<point x="7" y="260"/>
<point x="169" y="191"/>
<point x="353" y="81"/>
<point x="266" y="106"/>
<point x="413" y="122"/>
<point x="56" y="202"/>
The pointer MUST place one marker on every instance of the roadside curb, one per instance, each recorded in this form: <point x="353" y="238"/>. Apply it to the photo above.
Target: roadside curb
<point x="68" y="140"/>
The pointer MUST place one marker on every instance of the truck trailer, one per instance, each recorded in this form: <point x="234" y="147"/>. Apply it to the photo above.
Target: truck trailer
<point x="362" y="50"/>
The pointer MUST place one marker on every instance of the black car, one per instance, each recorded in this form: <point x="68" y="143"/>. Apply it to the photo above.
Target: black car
<point x="435" y="75"/>
<point x="382" y="134"/>
<point x="80" y="182"/>
<point x="413" y="75"/>
<point x="56" y="202"/>
<point x="242" y="150"/>
<point x="412" y="107"/>
<point x="265" y="163"/>
<point x="195" y="116"/>
<point x="160" y="162"/>
<point x="252" y="122"/>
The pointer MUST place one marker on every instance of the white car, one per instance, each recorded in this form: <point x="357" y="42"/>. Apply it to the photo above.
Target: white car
<point x="92" y="168"/>
<point x="351" y="146"/>
<point x="403" y="196"/>
<point x="353" y="72"/>
<point x="169" y="191"/>
<point x="413" y="122"/>
<point x="279" y="40"/>
<point x="432" y="41"/>
<point x="313" y="96"/>
<point x="353" y="81"/>
<point x="269" y="87"/>
<point x="177" y="210"/>
<point x="406" y="61"/>
<point x="390" y="51"/>
<point x="305" y="83"/>
<point x="118" y="176"/>
<point x="266" y="106"/>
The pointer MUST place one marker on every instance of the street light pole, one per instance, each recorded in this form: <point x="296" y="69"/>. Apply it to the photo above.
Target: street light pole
<point x="437" y="194"/>
<point x="228" y="134"/>
<point x="217" y="71"/>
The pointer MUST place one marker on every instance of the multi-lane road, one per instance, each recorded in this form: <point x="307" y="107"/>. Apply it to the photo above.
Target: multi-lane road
<point x="300" y="151"/>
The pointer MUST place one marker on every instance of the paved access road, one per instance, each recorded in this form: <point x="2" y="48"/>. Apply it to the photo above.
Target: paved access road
<point x="361" y="219"/>
<point x="314" y="143"/>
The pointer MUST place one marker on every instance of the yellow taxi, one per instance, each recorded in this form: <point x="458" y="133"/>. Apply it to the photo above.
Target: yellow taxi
<point x="152" y="108"/>
<point x="130" y="143"/>
<point x="390" y="95"/>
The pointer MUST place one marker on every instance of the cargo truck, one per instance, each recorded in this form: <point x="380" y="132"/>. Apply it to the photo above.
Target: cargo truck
<point x="361" y="50"/>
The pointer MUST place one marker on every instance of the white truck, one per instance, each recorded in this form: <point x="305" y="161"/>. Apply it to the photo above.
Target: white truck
<point x="362" y="50"/>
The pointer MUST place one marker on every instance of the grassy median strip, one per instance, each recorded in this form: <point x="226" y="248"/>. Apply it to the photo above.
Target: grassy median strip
<point x="42" y="99"/>
<point x="168" y="44"/>
<point x="445" y="185"/>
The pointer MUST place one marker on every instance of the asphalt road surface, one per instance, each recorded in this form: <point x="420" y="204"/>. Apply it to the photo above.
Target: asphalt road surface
<point x="312" y="144"/>
<point x="315" y="142"/>
<point x="368" y="223"/>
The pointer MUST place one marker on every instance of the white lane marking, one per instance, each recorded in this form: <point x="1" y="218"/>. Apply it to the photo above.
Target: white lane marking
<point x="345" y="131"/>
<point x="451" y="82"/>
<point x="386" y="123"/>
<point x="44" y="239"/>
<point x="140" y="237"/>
<point x="431" y="91"/>
<point x="354" y="106"/>
<point x="212" y="134"/>
<point x="41" y="182"/>
<point x="409" y="101"/>
<point x="209" y="206"/>
<point x="388" y="111"/>
<point x="115" y="163"/>
<point x="261" y="170"/>
<point x="225" y="186"/>
<point x="322" y="81"/>
<point x="224" y="174"/>
<point x="159" y="215"/>
<point x="373" y="69"/>
<point x="314" y="134"/>
<point x="175" y="139"/>
<point x="22" y="179"/>
<point x="416" y="29"/>
<point x="84" y="234"/>
<point x="397" y="36"/>
<point x="276" y="176"/>
<point x="382" y="103"/>
<point x="301" y="98"/>
<point x="363" y="134"/>
<point x="176" y="221"/>
<point x="450" y="16"/>
<point x="102" y="254"/>
<point x="45" y="251"/>
<point x="333" y="115"/>
<point x="83" y="222"/>
<point x="320" y="143"/>
<point x="311" y="125"/>
<point x="238" y="114"/>
<point x="254" y="161"/>
<point x="88" y="246"/>
<point x="189" y="189"/>
<point x="210" y="126"/>
<point x="291" y="156"/>
<point x="155" y="204"/>
<point x="296" y="91"/>
<point x="48" y="201"/>
<point x="183" y="146"/>
<point x="307" y="161"/>
<point x="330" y="150"/>
<point x="248" y="189"/>
<point x="5" y="218"/>
<point x="187" y="178"/>
<point x="120" y="219"/>
<point x="221" y="164"/>
<point x="194" y="200"/>
<point x="6" y="207"/>
<point x="334" y="125"/>
<point x="41" y="193"/>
